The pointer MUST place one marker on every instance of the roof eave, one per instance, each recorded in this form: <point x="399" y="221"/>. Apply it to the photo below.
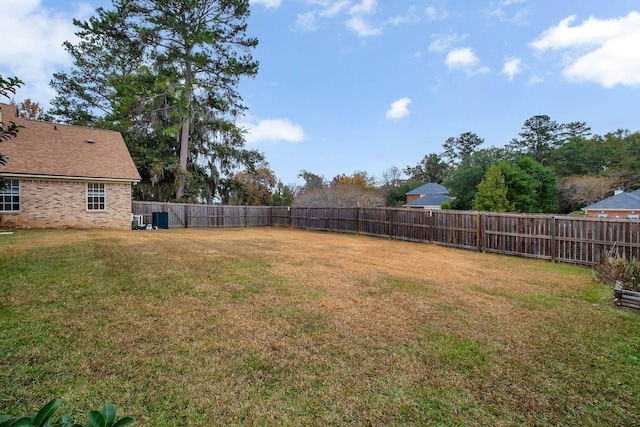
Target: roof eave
<point x="66" y="178"/>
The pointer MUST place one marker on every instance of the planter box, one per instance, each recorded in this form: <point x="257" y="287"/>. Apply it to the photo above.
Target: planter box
<point x="625" y="298"/>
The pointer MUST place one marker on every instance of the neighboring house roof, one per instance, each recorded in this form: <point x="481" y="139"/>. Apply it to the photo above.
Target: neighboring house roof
<point x="430" y="200"/>
<point x="431" y="194"/>
<point x="55" y="150"/>
<point x="621" y="201"/>
<point x="429" y="188"/>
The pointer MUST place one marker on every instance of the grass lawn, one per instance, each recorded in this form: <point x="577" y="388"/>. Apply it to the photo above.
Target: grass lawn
<point x="274" y="326"/>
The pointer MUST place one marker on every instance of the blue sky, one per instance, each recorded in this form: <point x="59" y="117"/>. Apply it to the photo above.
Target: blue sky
<point x="348" y="85"/>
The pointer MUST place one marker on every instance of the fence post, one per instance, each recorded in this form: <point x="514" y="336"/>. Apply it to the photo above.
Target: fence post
<point x="431" y="220"/>
<point x="390" y="211"/>
<point x="479" y="232"/>
<point x="357" y="220"/>
<point x="553" y="239"/>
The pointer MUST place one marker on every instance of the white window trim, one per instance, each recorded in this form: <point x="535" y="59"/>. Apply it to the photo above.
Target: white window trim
<point x="13" y="211"/>
<point x="94" y="193"/>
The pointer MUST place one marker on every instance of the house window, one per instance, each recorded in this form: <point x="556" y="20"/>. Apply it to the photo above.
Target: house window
<point x="633" y="215"/>
<point x="602" y="215"/>
<point x="96" y="196"/>
<point x="10" y="196"/>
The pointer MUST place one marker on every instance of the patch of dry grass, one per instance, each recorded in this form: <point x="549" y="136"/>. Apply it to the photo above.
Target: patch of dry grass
<point x="271" y="326"/>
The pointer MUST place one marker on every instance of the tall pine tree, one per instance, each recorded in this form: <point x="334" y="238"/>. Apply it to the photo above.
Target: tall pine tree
<point x="171" y="67"/>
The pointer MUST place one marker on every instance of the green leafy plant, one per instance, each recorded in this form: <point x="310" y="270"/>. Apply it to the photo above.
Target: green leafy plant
<point x="106" y="418"/>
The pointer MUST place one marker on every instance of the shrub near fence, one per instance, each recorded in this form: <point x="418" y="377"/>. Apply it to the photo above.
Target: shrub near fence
<point x="576" y="240"/>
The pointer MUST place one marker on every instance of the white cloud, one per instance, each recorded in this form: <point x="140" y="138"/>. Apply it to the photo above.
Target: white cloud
<point x="535" y="80"/>
<point x="361" y="27"/>
<point x="305" y="22"/>
<point x="268" y="4"/>
<point x="503" y="12"/>
<point x="604" y="51"/>
<point x="512" y="67"/>
<point x="461" y="58"/>
<point x="434" y="15"/>
<point x="465" y="59"/>
<point x="410" y="17"/>
<point x="398" y="109"/>
<point x="335" y="8"/>
<point x="444" y="42"/>
<point x="358" y="16"/>
<point x="35" y="50"/>
<point x="272" y="130"/>
<point x="366" y="7"/>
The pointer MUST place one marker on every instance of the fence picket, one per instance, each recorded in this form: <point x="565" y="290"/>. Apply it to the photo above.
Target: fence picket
<point x="575" y="240"/>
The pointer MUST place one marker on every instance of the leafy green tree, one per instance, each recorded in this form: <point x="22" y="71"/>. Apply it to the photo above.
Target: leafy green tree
<point x="456" y="149"/>
<point x="111" y="78"/>
<point x="531" y="187"/>
<point x="9" y="130"/>
<point x="546" y="188"/>
<point x="167" y="67"/>
<point x="577" y="156"/>
<point x="575" y="130"/>
<point x="396" y="196"/>
<point x="312" y="181"/>
<point x="492" y="193"/>
<point x="282" y="196"/>
<point x="431" y="168"/>
<point x="520" y="186"/>
<point x="621" y="157"/>
<point x="538" y="137"/>
<point x="196" y="39"/>
<point x="256" y="186"/>
<point x="462" y="181"/>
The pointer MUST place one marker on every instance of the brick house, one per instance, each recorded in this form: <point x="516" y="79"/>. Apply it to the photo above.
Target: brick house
<point x="620" y="205"/>
<point x="61" y="176"/>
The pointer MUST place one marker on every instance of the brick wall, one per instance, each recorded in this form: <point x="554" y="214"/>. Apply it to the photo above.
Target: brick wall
<point x="612" y="214"/>
<point x="63" y="204"/>
<point x="412" y="197"/>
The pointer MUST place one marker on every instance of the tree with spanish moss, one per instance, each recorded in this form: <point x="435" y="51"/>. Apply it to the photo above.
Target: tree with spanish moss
<point x="167" y="68"/>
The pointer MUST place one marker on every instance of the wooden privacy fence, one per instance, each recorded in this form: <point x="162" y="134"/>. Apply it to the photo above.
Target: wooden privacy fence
<point x="576" y="240"/>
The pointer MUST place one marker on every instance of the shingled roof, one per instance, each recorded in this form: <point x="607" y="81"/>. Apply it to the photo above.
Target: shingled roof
<point x="429" y="188"/>
<point x="621" y="201"/>
<point x="430" y="200"/>
<point x="44" y="149"/>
